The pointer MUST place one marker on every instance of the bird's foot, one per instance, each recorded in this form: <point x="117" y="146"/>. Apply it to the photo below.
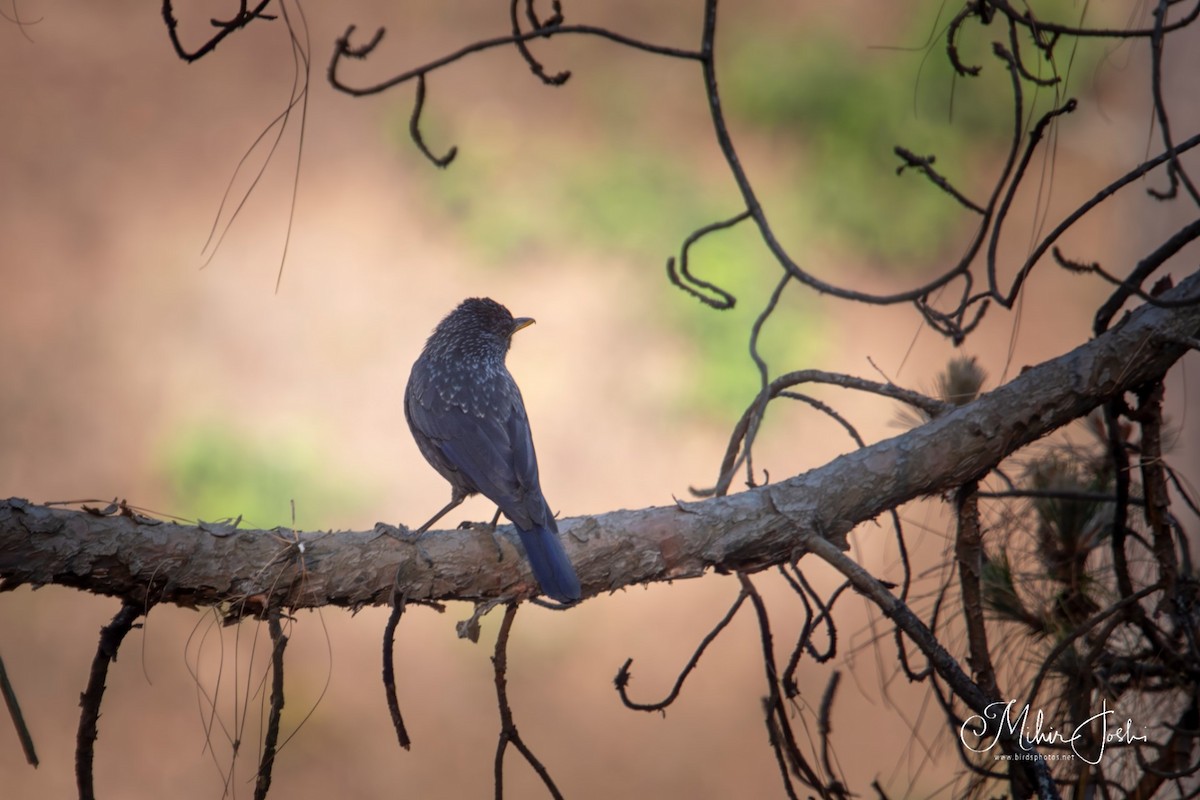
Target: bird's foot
<point x="399" y="532"/>
<point x="402" y="533"/>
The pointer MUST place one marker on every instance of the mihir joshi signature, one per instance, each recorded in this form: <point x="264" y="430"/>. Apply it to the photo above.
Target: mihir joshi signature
<point x="999" y="721"/>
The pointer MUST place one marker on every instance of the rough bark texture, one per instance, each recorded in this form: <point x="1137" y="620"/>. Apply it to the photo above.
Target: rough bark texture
<point x="150" y="561"/>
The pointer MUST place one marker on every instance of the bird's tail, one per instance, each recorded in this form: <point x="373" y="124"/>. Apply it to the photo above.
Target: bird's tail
<point x="550" y="564"/>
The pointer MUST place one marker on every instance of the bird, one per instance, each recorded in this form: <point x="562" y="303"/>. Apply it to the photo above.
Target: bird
<point x="468" y="418"/>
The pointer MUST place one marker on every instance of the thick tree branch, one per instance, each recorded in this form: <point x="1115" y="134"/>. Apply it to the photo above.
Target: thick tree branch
<point x="149" y="561"/>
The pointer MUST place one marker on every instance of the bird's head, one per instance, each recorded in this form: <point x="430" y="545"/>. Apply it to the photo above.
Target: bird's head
<point x="479" y="325"/>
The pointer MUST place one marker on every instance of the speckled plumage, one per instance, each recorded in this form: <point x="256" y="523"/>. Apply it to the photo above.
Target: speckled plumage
<point x="466" y="413"/>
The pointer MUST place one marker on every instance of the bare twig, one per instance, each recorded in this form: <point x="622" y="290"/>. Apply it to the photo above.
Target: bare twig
<point x="925" y="165"/>
<point x="266" y="764"/>
<point x="244" y="17"/>
<point x="779" y="727"/>
<point x="535" y="66"/>
<point x="14" y="711"/>
<point x="508" y="728"/>
<point x="724" y="300"/>
<point x="111" y="636"/>
<point x="621" y="681"/>
<point x="344" y="49"/>
<point x="389" y="671"/>
<point x="968" y="547"/>
<point x="414" y="129"/>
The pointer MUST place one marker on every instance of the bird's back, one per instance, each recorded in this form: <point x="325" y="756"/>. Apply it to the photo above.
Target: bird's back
<point x="469" y="422"/>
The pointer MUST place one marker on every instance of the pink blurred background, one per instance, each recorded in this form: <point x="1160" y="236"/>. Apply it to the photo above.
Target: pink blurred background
<point x="123" y="360"/>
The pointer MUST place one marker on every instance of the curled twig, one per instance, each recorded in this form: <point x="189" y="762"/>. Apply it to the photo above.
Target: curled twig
<point x="824" y="616"/>
<point x="724" y="299"/>
<point x="1014" y="42"/>
<point x="621" y="681"/>
<point x="952" y="31"/>
<point x="555" y="19"/>
<point x="414" y="129"/>
<point x="1175" y="171"/>
<point x="244" y="17"/>
<point x="535" y="66"/>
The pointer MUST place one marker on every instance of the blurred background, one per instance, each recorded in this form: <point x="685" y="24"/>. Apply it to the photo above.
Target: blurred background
<point x="135" y="366"/>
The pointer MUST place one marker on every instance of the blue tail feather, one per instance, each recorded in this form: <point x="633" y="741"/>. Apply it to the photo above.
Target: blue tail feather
<point x="550" y="564"/>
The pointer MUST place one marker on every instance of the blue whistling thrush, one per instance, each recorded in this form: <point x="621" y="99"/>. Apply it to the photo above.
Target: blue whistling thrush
<point x="466" y="413"/>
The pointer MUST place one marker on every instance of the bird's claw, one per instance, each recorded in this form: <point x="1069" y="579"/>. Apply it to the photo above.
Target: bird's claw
<point x="401" y="532"/>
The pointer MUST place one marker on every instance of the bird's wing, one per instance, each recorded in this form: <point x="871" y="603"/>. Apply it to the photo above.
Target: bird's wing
<point x="492" y="450"/>
<point x="525" y="467"/>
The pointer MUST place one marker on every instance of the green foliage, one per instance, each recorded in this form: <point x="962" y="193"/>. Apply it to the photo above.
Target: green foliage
<point x="602" y="196"/>
<point x="214" y="472"/>
<point x="726" y="379"/>
<point x="844" y="106"/>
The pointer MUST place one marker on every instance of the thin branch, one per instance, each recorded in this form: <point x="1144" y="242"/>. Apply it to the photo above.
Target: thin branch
<point x="266" y="764"/>
<point x="1154" y="486"/>
<point x="1175" y="171"/>
<point x="1057" y="494"/>
<point x="1145" y="268"/>
<point x="750" y="197"/>
<point x="1050" y="659"/>
<point x="111" y="636"/>
<point x="414" y="129"/>
<point x="802" y="587"/>
<point x="943" y="663"/>
<point x="724" y="299"/>
<point x="925" y="165"/>
<point x="621" y="681"/>
<point x="508" y="728"/>
<point x="535" y="66"/>
<point x="240" y="20"/>
<point x="968" y="550"/>
<point x="1015" y="43"/>
<point x="389" y="671"/>
<point x="14" y="711"/>
<point x="1022" y="18"/>
<point x="344" y="49"/>
<point x="779" y="726"/>
<point x="825" y="725"/>
<point x="779" y="386"/>
<point x="1016" y="170"/>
